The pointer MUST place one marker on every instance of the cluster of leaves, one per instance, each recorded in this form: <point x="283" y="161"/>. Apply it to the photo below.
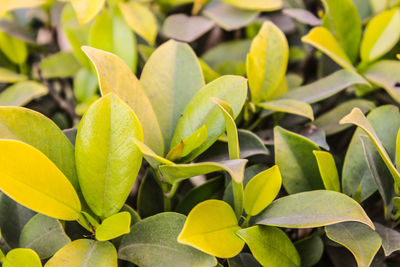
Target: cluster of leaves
<point x="209" y="192"/>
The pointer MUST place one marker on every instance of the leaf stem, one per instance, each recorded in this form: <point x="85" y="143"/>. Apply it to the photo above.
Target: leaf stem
<point x="168" y="196"/>
<point x="246" y="221"/>
<point x="238" y="198"/>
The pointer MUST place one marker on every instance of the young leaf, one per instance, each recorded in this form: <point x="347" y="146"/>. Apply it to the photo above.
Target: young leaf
<point x="260" y="5"/>
<point x="270" y="246"/>
<point x="313" y="209"/>
<point x="323" y="40"/>
<point x="153" y="242"/>
<point x="261" y="190"/>
<point x="50" y="67"/>
<point x="390" y="238"/>
<point x="114" y="226"/>
<point x="86" y="10"/>
<point x="310" y="249"/>
<point x="8" y="76"/>
<point x="85" y="252"/>
<point x="31" y="179"/>
<point x="289" y="106"/>
<point x="152" y="158"/>
<point x="15" y="50"/>
<point x="21" y="93"/>
<point x="361" y="240"/>
<point x="328" y="171"/>
<point x="215" y="237"/>
<point x="22" y="257"/>
<point x="107" y="158"/>
<point x="266" y="63"/>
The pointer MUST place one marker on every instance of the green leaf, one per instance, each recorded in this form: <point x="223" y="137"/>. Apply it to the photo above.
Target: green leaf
<point x="298" y="166"/>
<point x="8" y="76"/>
<point x="178" y="78"/>
<point x="328" y="171"/>
<point x="261" y="190"/>
<point x="215" y="237"/>
<point x="270" y="246"/>
<point x="85" y="85"/>
<point x="153" y="242"/>
<point x="289" y="106"/>
<point x="313" y="209"/>
<point x="115" y="76"/>
<point x="361" y="240"/>
<point x="22" y="257"/>
<point x="32" y="180"/>
<point x="267" y="62"/>
<point x="134" y="214"/>
<point x="201" y="110"/>
<point x="15" y="50"/>
<point x="16" y="30"/>
<point x="86" y="10"/>
<point x="186" y="28"/>
<point x="209" y="74"/>
<point x="22" y="93"/>
<point x="322" y="39"/>
<point x="44" y="235"/>
<point x="342" y="20"/>
<point x="106" y="33"/>
<point x="150" y="199"/>
<point x="390" y="238"/>
<point x="114" y="226"/>
<point x="243" y="260"/>
<point x="141" y="20"/>
<point x="51" y="67"/>
<point x="151" y="157"/>
<point x="260" y="5"/>
<point x="310" y="249"/>
<point x="85" y="253"/>
<point x="381" y="35"/>
<point x="106" y="171"/>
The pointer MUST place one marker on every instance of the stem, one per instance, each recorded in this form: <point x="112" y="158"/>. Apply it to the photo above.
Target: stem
<point x="246" y="221"/>
<point x="168" y="196"/>
<point x="238" y="198"/>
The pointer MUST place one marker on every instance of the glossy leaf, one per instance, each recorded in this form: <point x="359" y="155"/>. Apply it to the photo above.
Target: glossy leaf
<point x="267" y="62"/>
<point x="203" y="232"/>
<point x="310" y="249"/>
<point x="50" y="67"/>
<point x="153" y="242"/>
<point x="328" y="170"/>
<point x="106" y="171"/>
<point x="289" y="106"/>
<point x="261" y="5"/>
<point x="8" y="76"/>
<point x="186" y="28"/>
<point x="114" y="226"/>
<point x="86" y="10"/>
<point x="32" y="180"/>
<point x="85" y="253"/>
<point x="22" y="93"/>
<point x="15" y="50"/>
<point x="270" y="246"/>
<point x="313" y="209"/>
<point x="22" y="257"/>
<point x="361" y="240"/>
<point x="390" y="238"/>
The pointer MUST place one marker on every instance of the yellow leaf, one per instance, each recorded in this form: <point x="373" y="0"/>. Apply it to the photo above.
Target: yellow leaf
<point x="31" y="179"/>
<point x="259" y="5"/>
<point x="290" y="106"/>
<point x="22" y="257"/>
<point x="8" y="5"/>
<point x="86" y="10"/>
<point x="114" y="226"/>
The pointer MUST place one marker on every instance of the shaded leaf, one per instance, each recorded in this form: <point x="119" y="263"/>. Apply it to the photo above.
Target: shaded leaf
<point x="303" y="16"/>
<point x="150" y="196"/>
<point x="328" y="171"/>
<point x="114" y="226"/>
<point x="51" y="68"/>
<point x="17" y="31"/>
<point x="310" y="249"/>
<point x="243" y="260"/>
<point x="22" y="93"/>
<point x="184" y="28"/>
<point x="390" y="238"/>
<point x="85" y="85"/>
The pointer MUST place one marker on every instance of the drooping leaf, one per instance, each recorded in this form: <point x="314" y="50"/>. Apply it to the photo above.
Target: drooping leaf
<point x="51" y="66"/>
<point x="260" y="5"/>
<point x="151" y="157"/>
<point x="186" y="28"/>
<point x="32" y="180"/>
<point x="360" y="239"/>
<point x="22" y="93"/>
<point x="153" y="242"/>
<point x="107" y="158"/>
<point x="328" y="171"/>
<point x="313" y="209"/>
<point x="114" y="226"/>
<point x="8" y="76"/>
<point x="390" y="238"/>
<point x="85" y="253"/>
<point x="22" y="257"/>
<point x="310" y="249"/>
<point x="14" y="49"/>
<point x="270" y="246"/>
<point x="289" y="106"/>
<point x="215" y="237"/>
<point x="86" y="10"/>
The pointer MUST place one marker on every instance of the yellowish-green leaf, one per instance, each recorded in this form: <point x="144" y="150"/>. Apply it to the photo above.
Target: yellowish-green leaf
<point x="215" y="237"/>
<point x="323" y="40"/>
<point x="32" y="180"/>
<point x="260" y="5"/>
<point x="16" y="50"/>
<point x="86" y="10"/>
<point x="114" y="226"/>
<point x="152" y="158"/>
<point x="51" y="67"/>
<point x="22" y="257"/>
<point x="115" y="76"/>
<point x="85" y="253"/>
<point x="141" y="20"/>
<point x="267" y="62"/>
<point x="289" y="106"/>
<point x="9" y="5"/>
<point x="328" y="170"/>
<point x="261" y="190"/>
<point x="380" y="35"/>
<point x="22" y="93"/>
<point x="8" y="76"/>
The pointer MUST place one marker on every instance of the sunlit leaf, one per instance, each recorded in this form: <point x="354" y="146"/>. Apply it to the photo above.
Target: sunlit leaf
<point x="22" y="93"/>
<point x="261" y="5"/>
<point x="328" y="170"/>
<point x="289" y="106"/>
<point x="114" y="226"/>
<point x="8" y="76"/>
<point x="9" y="5"/>
<point x="22" y="257"/>
<point x="86" y="10"/>
<point x="16" y="50"/>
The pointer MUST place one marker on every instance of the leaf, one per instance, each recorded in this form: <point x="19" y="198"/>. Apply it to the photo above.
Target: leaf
<point x="342" y="20"/>
<point x="381" y="34"/>
<point x="150" y="199"/>
<point x="328" y="171"/>
<point x="44" y="235"/>
<point x="8" y="76"/>
<point x="390" y="238"/>
<point x="141" y="20"/>
<point x="227" y="16"/>
<point x="209" y="74"/>
<point x="267" y="62"/>
<point x="22" y="93"/>
<point x="186" y="28"/>
<point x="261" y="190"/>
<point x="106" y="33"/>
<point x="201" y="110"/>
<point x="303" y="16"/>
<point x="22" y="257"/>
<point x="362" y="242"/>
<point x="289" y="106"/>
<point x="107" y="158"/>
<point x="298" y="166"/>
<point x="323" y="40"/>
<point x="151" y="157"/>
<point x="14" y="49"/>
<point x="85" y="85"/>
<point x="243" y="260"/>
<point x="85" y="252"/>
<point x="50" y="67"/>
<point x="114" y="226"/>
<point x="32" y="180"/>
<point x="179" y="78"/>
<point x="270" y="246"/>
<point x="203" y="232"/>
<point x="153" y="242"/>
<point x="9" y="5"/>
<point x="180" y="172"/>
<point x="260" y="5"/>
<point x="16" y="30"/>
<point x="86" y="10"/>
<point x="313" y="209"/>
<point x="310" y="249"/>
<point x="115" y="76"/>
